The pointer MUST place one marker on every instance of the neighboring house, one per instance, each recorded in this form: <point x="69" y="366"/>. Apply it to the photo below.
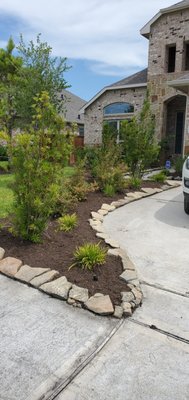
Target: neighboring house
<point x="167" y="81"/>
<point x="72" y="105"/>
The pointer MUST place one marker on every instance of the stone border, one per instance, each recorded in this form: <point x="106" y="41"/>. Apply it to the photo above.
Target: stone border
<point x="49" y="281"/>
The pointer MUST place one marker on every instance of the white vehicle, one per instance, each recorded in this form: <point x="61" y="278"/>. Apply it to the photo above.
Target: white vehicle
<point x="185" y="183"/>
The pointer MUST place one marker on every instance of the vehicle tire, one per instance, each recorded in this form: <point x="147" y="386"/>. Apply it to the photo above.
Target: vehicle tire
<point x="186" y="204"/>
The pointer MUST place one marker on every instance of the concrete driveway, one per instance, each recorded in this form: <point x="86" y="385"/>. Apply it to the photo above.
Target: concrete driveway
<point x="49" y="350"/>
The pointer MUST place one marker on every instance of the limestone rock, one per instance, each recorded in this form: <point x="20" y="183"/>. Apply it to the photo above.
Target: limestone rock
<point x="101" y="235"/>
<point x="128" y="275"/>
<point x="137" y="296"/>
<point x="2" y="253"/>
<point x="98" y="227"/>
<point x="44" y="278"/>
<point x="100" y="305"/>
<point x="120" y="203"/>
<point x="59" y="287"/>
<point x="79" y="294"/>
<point x="114" y="252"/>
<point x="107" y="207"/>
<point x="134" y="195"/>
<point x="126" y="261"/>
<point x="97" y="216"/>
<point x="70" y="301"/>
<point x="27" y="273"/>
<point x="127" y="296"/>
<point x="112" y="243"/>
<point x="148" y="191"/>
<point x="103" y="212"/>
<point x="127" y="309"/>
<point x="118" y="313"/>
<point x="173" y="183"/>
<point x="10" y="266"/>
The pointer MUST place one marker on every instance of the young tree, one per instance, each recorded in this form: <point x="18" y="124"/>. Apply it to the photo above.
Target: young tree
<point x="41" y="72"/>
<point x="139" y="145"/>
<point x="37" y="158"/>
<point x="10" y="76"/>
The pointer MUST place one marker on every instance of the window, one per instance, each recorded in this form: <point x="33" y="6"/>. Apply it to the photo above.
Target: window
<point x="81" y="131"/>
<point x="186" y="56"/>
<point x="118" y="108"/>
<point x="115" y="126"/>
<point x="171" y="58"/>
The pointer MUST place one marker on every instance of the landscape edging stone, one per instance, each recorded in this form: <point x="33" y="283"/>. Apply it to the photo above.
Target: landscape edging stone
<point x="129" y="271"/>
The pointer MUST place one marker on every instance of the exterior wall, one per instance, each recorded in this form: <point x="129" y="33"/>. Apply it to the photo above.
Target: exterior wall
<point x="94" y="113"/>
<point x="169" y="29"/>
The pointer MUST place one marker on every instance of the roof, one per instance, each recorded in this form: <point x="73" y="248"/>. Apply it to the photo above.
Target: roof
<point x="139" y="77"/>
<point x="133" y="81"/>
<point x="73" y="104"/>
<point x="145" y="31"/>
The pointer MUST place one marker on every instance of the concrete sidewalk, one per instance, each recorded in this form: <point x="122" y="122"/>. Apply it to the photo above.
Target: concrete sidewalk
<point x="42" y="341"/>
<point x="50" y="350"/>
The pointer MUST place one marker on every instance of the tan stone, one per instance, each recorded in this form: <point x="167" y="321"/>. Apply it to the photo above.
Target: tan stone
<point x="112" y="243"/>
<point x="10" y="266"/>
<point x="102" y="212"/>
<point x="118" y="313"/>
<point x="100" y="305"/>
<point x="2" y="253"/>
<point x="27" y="273"/>
<point x="79" y="294"/>
<point x="59" y="287"/>
<point x="44" y="278"/>
<point x="128" y="275"/>
<point x="127" y="309"/>
<point x="107" y="207"/>
<point x="96" y="216"/>
<point x="101" y="235"/>
<point x="127" y="296"/>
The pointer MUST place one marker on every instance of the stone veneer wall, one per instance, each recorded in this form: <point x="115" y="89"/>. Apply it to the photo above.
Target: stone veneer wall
<point x="169" y="29"/>
<point x="94" y="113"/>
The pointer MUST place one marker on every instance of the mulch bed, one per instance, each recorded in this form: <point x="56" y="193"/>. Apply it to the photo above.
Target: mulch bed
<point x="56" y="251"/>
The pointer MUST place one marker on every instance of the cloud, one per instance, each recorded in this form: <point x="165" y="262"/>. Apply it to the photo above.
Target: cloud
<point x="105" y="32"/>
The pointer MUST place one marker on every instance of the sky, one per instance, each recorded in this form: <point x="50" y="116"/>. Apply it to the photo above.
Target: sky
<point x="100" y="38"/>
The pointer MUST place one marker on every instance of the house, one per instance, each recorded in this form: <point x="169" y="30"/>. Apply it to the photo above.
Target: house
<point x="166" y="79"/>
<point x="72" y="105"/>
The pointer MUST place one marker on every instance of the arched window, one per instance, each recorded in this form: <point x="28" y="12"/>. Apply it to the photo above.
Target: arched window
<point x="118" y="108"/>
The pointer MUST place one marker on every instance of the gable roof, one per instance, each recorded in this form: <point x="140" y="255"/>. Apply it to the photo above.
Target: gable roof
<point x="145" y="31"/>
<point x="73" y="104"/>
<point x="133" y="81"/>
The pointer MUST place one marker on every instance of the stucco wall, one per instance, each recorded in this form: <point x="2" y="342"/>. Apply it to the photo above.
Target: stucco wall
<point x="94" y="113"/>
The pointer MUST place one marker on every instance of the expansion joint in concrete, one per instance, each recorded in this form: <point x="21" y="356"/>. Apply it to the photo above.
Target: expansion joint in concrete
<point x="156" y="286"/>
<point x="61" y="385"/>
<point x="161" y="331"/>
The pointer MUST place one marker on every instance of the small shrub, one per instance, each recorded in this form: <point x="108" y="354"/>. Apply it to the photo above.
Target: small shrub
<point x="178" y="164"/>
<point x="3" y="153"/>
<point x="67" y="222"/>
<point x="160" y="177"/>
<point x="89" y="255"/>
<point x="134" y="182"/>
<point x="109" y="190"/>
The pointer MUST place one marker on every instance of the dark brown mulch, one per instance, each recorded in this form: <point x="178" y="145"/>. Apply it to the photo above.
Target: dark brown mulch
<point x="56" y="251"/>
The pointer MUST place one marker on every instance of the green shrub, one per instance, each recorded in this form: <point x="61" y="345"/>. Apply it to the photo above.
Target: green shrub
<point x="178" y="164"/>
<point x="67" y="222"/>
<point x="107" y="167"/>
<point x="37" y="159"/>
<point x="3" y="153"/>
<point x="134" y="182"/>
<point x="160" y="177"/>
<point x="109" y="190"/>
<point x="89" y="255"/>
